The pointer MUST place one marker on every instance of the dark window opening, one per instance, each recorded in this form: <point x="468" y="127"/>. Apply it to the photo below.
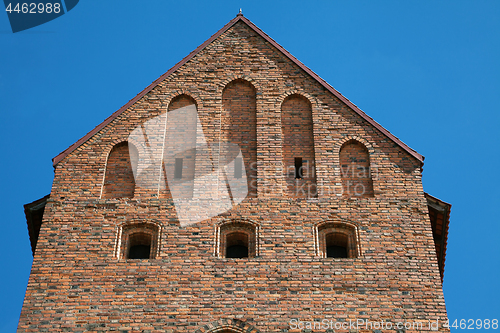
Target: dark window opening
<point x="178" y="168"/>
<point x="139" y="252"/>
<point x="336" y="245"/>
<point x="298" y="168"/>
<point x="139" y="246"/>
<point x="237" y="251"/>
<point x="237" y="245"/>
<point x="238" y="167"/>
<point x="335" y="251"/>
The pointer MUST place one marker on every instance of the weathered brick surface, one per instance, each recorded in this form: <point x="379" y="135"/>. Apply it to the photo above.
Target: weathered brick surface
<point x="355" y="170"/>
<point x="119" y="178"/>
<point x="79" y="282"/>
<point x="298" y="142"/>
<point x="239" y="126"/>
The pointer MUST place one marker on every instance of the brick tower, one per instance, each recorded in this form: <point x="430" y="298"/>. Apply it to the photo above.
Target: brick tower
<point x="239" y="192"/>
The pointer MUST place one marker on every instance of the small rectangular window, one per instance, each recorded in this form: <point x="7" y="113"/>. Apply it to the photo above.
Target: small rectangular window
<point x="238" y="167"/>
<point x="298" y="168"/>
<point x="178" y="168"/>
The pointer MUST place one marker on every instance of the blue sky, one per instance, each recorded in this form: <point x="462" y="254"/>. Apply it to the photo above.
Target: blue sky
<point x="428" y="71"/>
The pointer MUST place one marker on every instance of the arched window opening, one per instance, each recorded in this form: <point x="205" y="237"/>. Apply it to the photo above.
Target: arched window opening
<point x="139" y="241"/>
<point x="229" y="326"/>
<point x="298" y="147"/>
<point x="237" y="240"/>
<point x="337" y="240"/>
<point x="355" y="170"/>
<point x="239" y="127"/>
<point x="119" y="175"/>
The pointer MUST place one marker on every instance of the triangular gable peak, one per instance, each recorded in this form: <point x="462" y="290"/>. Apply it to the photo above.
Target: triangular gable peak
<point x="231" y="23"/>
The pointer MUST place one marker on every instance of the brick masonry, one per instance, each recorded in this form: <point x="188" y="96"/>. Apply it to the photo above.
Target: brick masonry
<point x="355" y="170"/>
<point x="298" y="142"/>
<point x="239" y="126"/>
<point x="80" y="283"/>
<point x="119" y="180"/>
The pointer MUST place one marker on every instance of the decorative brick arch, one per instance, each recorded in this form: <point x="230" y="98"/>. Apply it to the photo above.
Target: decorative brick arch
<point x="160" y="186"/>
<point x="349" y="228"/>
<point x="228" y="326"/>
<point x="338" y="145"/>
<point x="109" y="147"/>
<point x="112" y="144"/>
<point x="297" y="145"/>
<point x="151" y="227"/>
<point x="115" y="147"/>
<point x="229" y="219"/>
<point x="223" y="84"/>
<point x="105" y="155"/>
<point x="249" y="227"/>
<point x="315" y="105"/>
<point x="338" y="172"/>
<point x="238" y="125"/>
<point x="187" y="157"/>
<point x="167" y="99"/>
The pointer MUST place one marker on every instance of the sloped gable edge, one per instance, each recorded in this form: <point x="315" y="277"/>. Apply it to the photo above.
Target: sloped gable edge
<point x="186" y="59"/>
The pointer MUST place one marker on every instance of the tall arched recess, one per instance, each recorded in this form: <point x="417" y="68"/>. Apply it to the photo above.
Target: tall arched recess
<point x="298" y="147"/>
<point x="355" y="170"/>
<point x="179" y="164"/>
<point x="239" y="126"/>
<point x="119" y="178"/>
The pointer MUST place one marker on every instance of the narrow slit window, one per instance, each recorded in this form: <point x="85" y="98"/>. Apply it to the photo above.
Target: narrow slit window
<point x="178" y="168"/>
<point x="238" y="167"/>
<point x="298" y="168"/>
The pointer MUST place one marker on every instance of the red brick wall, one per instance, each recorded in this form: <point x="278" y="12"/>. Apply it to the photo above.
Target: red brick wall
<point x="188" y="156"/>
<point x="119" y="180"/>
<point x="78" y="284"/>
<point x="298" y="141"/>
<point x="239" y="126"/>
<point x="355" y="170"/>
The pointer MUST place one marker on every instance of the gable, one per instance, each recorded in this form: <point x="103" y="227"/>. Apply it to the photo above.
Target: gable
<point x="239" y="18"/>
